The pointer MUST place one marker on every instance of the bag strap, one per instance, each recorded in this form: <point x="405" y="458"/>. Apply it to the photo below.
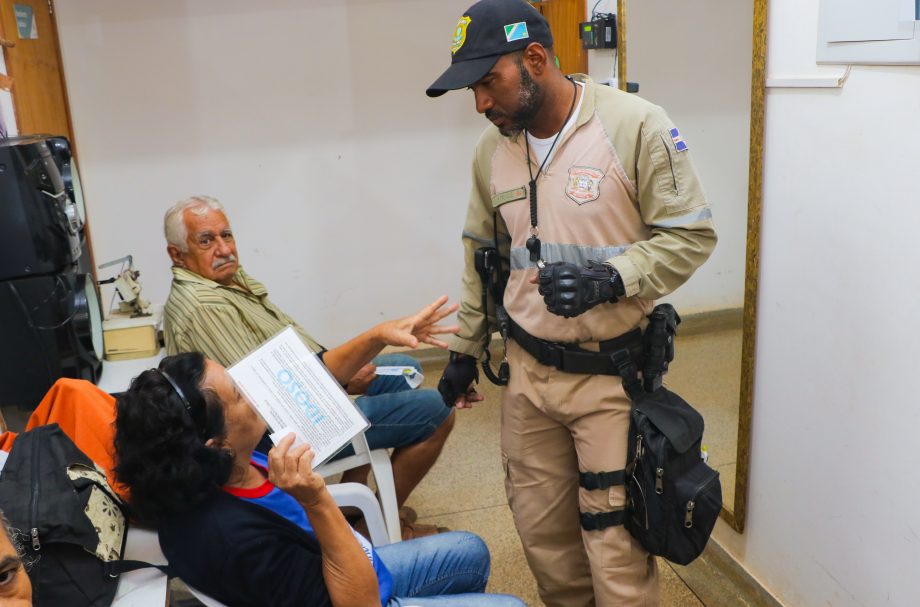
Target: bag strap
<point x="628" y="372"/>
<point x="116" y="568"/>
<point x="601" y="480"/>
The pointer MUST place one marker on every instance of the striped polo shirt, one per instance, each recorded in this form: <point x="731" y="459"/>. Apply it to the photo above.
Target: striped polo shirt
<point x="224" y="322"/>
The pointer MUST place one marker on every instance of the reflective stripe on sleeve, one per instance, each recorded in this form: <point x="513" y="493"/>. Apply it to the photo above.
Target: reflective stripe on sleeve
<point x="577" y="254"/>
<point x="684" y="220"/>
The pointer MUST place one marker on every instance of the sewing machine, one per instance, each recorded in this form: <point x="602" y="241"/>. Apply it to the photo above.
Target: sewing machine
<point x="128" y="288"/>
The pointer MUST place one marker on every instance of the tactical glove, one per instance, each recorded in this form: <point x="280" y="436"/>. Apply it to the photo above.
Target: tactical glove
<point x="459" y="373"/>
<point x="569" y="290"/>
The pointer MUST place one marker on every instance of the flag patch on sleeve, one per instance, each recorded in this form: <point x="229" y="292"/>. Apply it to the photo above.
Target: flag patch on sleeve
<point x="679" y="144"/>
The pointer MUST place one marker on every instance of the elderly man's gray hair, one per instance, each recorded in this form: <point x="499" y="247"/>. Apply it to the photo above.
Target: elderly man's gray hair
<point x="174" y="221"/>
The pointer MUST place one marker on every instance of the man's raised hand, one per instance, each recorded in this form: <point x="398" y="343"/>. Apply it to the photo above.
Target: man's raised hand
<point x="421" y="327"/>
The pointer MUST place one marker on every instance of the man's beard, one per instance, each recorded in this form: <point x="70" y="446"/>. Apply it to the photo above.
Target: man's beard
<point x="530" y="101"/>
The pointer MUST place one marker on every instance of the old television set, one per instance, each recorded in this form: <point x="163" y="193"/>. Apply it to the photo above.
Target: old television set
<point x="39" y="225"/>
<point x="50" y="314"/>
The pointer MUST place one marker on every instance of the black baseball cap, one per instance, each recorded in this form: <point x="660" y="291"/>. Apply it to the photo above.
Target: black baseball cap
<point x="485" y="32"/>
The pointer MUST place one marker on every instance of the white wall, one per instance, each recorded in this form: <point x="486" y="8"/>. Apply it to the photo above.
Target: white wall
<point x="346" y="185"/>
<point x="676" y="52"/>
<point x="834" y="491"/>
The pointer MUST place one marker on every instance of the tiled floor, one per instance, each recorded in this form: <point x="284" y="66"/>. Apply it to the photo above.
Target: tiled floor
<point x="465" y="490"/>
<point x="707" y="372"/>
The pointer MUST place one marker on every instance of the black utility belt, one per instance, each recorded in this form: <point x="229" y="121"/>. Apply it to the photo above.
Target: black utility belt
<point x="573" y="359"/>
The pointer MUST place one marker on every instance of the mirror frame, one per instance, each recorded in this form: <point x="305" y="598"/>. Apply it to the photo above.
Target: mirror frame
<point x="736" y="517"/>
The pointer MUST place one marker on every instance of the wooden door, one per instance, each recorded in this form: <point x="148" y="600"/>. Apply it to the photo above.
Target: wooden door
<point x="564" y="17"/>
<point x="39" y="96"/>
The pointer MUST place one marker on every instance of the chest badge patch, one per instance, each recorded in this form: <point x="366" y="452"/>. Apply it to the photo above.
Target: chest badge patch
<point x="459" y="34"/>
<point x="584" y="184"/>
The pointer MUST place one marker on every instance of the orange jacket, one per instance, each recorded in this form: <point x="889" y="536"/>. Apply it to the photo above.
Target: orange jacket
<point x="86" y="414"/>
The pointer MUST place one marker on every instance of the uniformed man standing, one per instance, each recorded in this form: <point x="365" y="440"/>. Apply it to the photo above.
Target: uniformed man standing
<point x="592" y="201"/>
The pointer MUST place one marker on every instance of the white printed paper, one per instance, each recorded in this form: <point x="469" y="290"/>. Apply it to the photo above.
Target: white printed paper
<point x="412" y="377"/>
<point x="294" y="392"/>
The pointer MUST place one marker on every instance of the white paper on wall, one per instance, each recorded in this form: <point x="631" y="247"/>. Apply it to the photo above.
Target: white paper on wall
<point x="858" y="20"/>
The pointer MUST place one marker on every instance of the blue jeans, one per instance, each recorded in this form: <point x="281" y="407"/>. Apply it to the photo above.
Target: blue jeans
<point x="399" y="415"/>
<point x="444" y="570"/>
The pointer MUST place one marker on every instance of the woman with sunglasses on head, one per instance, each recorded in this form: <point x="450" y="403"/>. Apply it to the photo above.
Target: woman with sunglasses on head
<point x="248" y="529"/>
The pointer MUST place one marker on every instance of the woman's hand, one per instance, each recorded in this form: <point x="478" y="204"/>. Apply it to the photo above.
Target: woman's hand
<point x="348" y="573"/>
<point x="421" y="327"/>
<point x="291" y="470"/>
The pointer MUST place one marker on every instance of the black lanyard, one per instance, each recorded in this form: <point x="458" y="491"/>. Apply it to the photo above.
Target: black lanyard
<point x="533" y="243"/>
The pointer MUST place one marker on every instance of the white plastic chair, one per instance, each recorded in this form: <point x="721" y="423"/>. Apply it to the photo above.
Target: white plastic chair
<point x="379" y="459"/>
<point x="142" y="587"/>
<point x="362" y="498"/>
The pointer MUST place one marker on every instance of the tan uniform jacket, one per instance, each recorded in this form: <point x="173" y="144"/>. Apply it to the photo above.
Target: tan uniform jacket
<point x="618" y="188"/>
<point x="223" y="322"/>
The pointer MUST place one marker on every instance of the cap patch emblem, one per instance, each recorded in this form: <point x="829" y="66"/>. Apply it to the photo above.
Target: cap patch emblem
<point x="459" y="34"/>
<point x="584" y="184"/>
<point x="679" y="144"/>
<point x="516" y="31"/>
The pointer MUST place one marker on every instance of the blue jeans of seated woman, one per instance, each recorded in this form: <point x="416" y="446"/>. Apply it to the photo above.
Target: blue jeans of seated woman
<point x="444" y="570"/>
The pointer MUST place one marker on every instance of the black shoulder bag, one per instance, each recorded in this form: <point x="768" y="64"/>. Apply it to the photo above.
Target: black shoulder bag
<point x="673" y="497"/>
<point x="71" y="524"/>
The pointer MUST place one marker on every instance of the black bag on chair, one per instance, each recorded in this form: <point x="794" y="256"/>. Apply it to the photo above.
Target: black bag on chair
<point x="673" y="497"/>
<point x="67" y="518"/>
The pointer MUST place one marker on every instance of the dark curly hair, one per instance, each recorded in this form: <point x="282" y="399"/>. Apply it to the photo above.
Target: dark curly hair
<point x="160" y="451"/>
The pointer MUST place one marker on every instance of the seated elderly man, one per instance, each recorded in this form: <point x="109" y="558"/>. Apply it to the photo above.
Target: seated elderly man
<point x="216" y="308"/>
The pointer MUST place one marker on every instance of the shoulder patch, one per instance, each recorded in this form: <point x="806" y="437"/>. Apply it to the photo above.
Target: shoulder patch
<point x="679" y="144"/>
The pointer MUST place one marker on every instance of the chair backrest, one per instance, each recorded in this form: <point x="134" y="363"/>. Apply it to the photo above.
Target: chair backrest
<point x="143" y="586"/>
<point x="379" y="460"/>
<point x="362" y="456"/>
<point x="361" y="497"/>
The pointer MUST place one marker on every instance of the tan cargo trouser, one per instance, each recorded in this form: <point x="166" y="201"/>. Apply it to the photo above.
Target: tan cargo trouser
<point x="554" y="425"/>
